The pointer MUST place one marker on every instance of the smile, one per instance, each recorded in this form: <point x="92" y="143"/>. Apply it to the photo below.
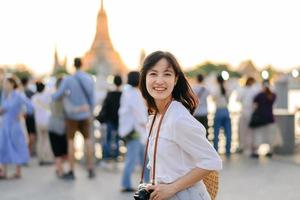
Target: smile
<point x="160" y="89"/>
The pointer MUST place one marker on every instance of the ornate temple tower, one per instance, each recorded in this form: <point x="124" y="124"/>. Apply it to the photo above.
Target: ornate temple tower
<point x="102" y="57"/>
<point x="59" y="65"/>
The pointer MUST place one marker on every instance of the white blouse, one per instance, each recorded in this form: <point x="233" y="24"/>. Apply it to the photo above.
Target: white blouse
<point x="182" y="145"/>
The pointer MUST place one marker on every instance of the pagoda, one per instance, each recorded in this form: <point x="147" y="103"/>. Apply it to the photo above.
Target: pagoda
<point x="102" y="57"/>
<point x="58" y="65"/>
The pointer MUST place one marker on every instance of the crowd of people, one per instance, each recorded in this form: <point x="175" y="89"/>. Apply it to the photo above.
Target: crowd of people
<point x="45" y="122"/>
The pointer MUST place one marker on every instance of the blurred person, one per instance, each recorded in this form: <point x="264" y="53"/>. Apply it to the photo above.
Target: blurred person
<point x="132" y="128"/>
<point x="202" y="93"/>
<point x="267" y="132"/>
<point x="109" y="116"/>
<point x="184" y="155"/>
<point x="78" y="90"/>
<point x="222" y="116"/>
<point x="29" y="118"/>
<point x="2" y="74"/>
<point x="57" y="130"/>
<point x="41" y="103"/>
<point x="246" y="97"/>
<point x="13" y="147"/>
<point x="57" y="133"/>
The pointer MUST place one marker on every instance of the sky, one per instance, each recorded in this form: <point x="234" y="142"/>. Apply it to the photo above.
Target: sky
<point x="231" y="31"/>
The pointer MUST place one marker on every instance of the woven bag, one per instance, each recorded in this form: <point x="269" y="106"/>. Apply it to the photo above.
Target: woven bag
<point x="211" y="181"/>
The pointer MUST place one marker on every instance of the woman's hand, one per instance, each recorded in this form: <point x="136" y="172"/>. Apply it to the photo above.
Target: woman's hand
<point x="84" y="108"/>
<point x="161" y="191"/>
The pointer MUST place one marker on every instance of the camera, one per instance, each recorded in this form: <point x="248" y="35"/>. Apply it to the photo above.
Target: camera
<point x="142" y="193"/>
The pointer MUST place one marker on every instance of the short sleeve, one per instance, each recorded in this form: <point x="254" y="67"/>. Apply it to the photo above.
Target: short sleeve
<point x="189" y="134"/>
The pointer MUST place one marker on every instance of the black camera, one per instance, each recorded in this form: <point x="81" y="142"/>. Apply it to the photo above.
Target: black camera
<point x="142" y="193"/>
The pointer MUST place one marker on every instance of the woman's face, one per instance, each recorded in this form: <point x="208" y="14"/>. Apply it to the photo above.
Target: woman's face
<point x="160" y="80"/>
<point x="7" y="86"/>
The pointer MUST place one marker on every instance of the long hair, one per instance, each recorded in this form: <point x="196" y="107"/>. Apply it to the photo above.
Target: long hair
<point x="269" y="94"/>
<point x="250" y="81"/>
<point x="13" y="81"/>
<point x="182" y="91"/>
<point x="220" y="80"/>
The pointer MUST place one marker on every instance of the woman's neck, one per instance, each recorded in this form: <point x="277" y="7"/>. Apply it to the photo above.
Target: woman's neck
<point x="161" y="104"/>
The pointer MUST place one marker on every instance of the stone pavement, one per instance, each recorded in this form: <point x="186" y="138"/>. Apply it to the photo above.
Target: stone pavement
<point x="242" y="179"/>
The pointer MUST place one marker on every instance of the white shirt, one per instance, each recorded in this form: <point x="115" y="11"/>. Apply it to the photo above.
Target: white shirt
<point x="132" y="113"/>
<point x="41" y="105"/>
<point x="246" y="97"/>
<point x="182" y="145"/>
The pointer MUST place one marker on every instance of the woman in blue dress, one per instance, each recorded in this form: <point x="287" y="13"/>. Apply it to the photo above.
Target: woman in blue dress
<point x="13" y="147"/>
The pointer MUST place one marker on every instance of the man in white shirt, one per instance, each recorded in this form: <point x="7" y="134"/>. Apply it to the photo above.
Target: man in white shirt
<point x="132" y="128"/>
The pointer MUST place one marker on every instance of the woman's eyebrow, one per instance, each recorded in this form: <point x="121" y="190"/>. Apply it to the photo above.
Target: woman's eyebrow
<point x="153" y="70"/>
<point x="169" y="69"/>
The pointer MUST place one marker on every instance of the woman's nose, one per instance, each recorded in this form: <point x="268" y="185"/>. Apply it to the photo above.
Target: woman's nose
<point x="159" y="80"/>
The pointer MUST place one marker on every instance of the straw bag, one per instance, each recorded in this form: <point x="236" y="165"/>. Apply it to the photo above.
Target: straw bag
<point x="211" y="181"/>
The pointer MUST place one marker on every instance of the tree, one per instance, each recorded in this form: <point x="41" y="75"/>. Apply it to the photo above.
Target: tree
<point x="208" y="67"/>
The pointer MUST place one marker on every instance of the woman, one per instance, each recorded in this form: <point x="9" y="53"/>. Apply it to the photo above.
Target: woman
<point x="268" y="132"/>
<point x="246" y="97"/>
<point x="109" y="112"/>
<point x="202" y="93"/>
<point x="41" y="101"/>
<point x="57" y="133"/>
<point x="184" y="155"/>
<point x="13" y="147"/>
<point x="222" y="117"/>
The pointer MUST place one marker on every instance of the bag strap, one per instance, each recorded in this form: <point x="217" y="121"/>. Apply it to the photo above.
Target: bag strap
<point x="155" y="145"/>
<point x="83" y="90"/>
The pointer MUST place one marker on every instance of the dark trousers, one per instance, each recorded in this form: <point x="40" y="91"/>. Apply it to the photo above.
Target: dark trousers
<point x="204" y="121"/>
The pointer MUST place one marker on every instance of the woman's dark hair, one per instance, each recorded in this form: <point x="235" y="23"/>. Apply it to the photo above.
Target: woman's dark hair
<point x="200" y="78"/>
<point x="13" y="81"/>
<point x="58" y="82"/>
<point x="250" y="80"/>
<point x="117" y="80"/>
<point x="268" y="92"/>
<point x="220" y="80"/>
<point x="133" y="78"/>
<point x="182" y="91"/>
<point x="40" y="86"/>
<point x="24" y="81"/>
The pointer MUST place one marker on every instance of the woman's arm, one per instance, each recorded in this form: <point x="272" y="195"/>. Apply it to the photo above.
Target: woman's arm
<point x="190" y="179"/>
<point x="165" y="191"/>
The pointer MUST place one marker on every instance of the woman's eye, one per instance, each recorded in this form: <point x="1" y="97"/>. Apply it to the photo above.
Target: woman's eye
<point x="152" y="74"/>
<point x="168" y="74"/>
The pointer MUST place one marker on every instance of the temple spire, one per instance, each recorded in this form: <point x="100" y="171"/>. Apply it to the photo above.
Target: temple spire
<point x="102" y="32"/>
<point x="102" y="56"/>
<point x="56" y="59"/>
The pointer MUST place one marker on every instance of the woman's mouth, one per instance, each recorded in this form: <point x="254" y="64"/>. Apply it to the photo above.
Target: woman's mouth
<point x="160" y="89"/>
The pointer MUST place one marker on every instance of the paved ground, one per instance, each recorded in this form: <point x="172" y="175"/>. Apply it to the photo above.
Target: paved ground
<point x="242" y="179"/>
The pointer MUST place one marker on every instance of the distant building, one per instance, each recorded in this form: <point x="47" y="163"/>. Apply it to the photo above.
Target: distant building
<point x="58" y="65"/>
<point x="102" y="57"/>
<point x="247" y="69"/>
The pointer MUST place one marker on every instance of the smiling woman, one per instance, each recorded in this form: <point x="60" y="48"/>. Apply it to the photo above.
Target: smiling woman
<point x="30" y="29"/>
<point x="176" y="140"/>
